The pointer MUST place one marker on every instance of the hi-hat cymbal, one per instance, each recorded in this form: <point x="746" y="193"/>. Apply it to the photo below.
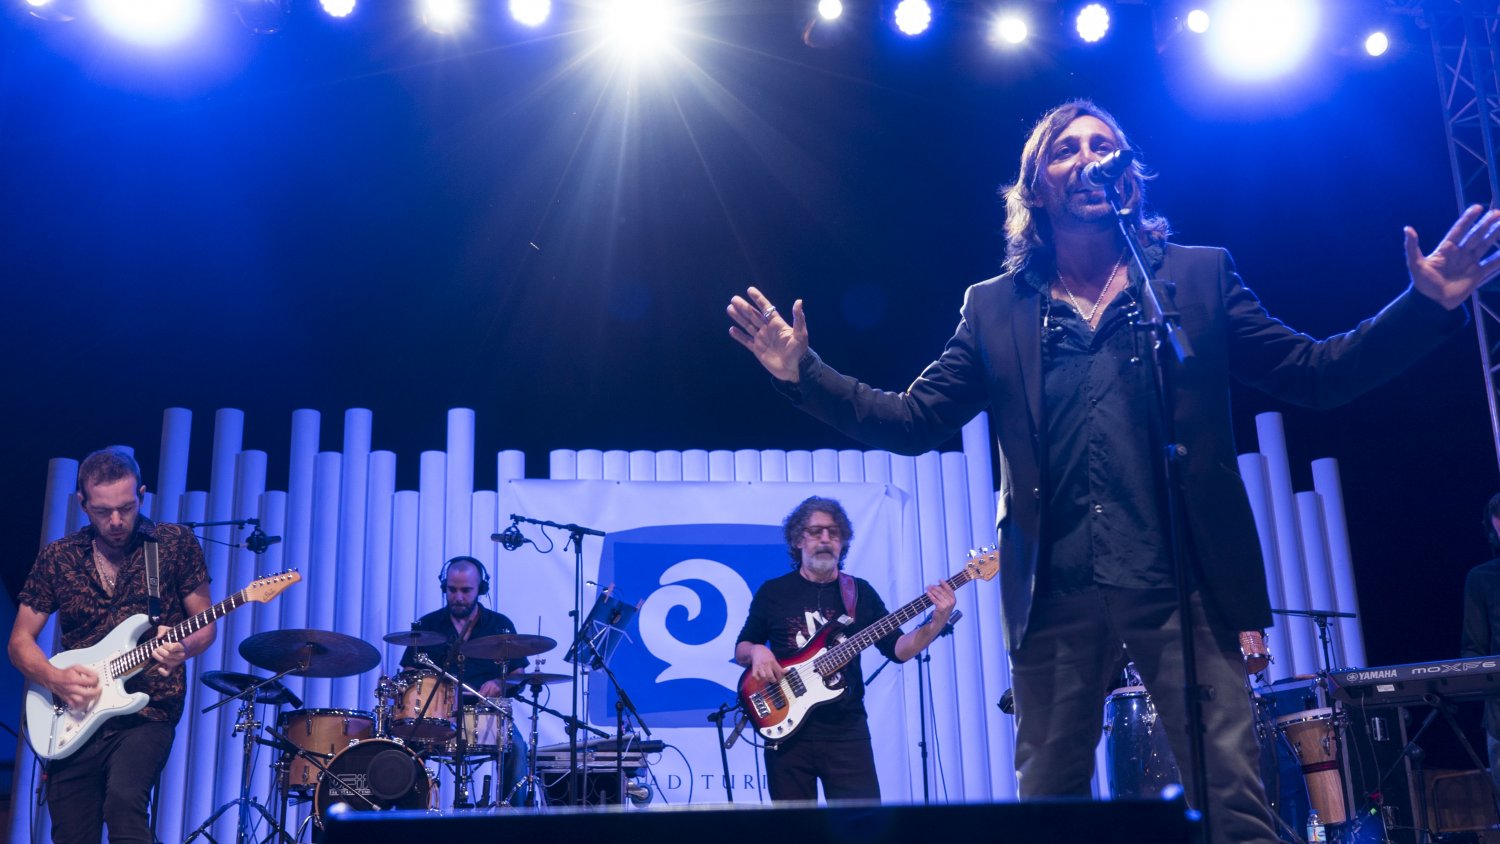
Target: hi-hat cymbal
<point x="534" y="678"/>
<point x="415" y="638"/>
<point x="310" y="653"/>
<point x="507" y="646"/>
<point x="234" y="684"/>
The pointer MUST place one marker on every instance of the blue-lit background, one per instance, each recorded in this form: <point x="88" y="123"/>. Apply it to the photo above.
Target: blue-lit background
<point x="358" y="213"/>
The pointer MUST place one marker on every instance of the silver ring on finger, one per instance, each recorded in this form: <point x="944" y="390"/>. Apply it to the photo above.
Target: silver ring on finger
<point x="768" y="313"/>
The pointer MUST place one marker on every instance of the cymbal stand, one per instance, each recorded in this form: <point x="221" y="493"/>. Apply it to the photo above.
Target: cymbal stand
<point x="463" y="776"/>
<point x="246" y="724"/>
<point x="536" y="796"/>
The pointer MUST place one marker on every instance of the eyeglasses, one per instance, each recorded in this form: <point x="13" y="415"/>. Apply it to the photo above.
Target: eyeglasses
<point x="831" y="531"/>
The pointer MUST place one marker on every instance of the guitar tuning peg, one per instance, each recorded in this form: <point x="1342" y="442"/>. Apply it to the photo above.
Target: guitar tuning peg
<point x="973" y="553"/>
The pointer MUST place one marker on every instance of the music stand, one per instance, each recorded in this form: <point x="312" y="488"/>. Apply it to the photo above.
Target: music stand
<point x="602" y="631"/>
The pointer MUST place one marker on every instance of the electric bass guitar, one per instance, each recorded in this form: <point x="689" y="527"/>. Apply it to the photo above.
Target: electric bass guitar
<point x="56" y="731"/>
<point x="778" y="709"/>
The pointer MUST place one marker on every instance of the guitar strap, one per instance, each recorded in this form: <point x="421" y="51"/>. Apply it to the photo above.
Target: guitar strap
<point x="849" y="592"/>
<point x="153" y="582"/>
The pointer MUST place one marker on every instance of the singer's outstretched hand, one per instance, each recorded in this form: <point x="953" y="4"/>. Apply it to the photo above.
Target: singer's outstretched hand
<point x="759" y="327"/>
<point x="1458" y="266"/>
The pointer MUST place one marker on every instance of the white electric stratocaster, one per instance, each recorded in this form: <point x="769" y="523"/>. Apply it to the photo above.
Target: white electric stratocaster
<point x="55" y="731"/>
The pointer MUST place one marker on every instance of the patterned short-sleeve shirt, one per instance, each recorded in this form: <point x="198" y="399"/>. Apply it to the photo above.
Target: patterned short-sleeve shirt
<point x="65" y="580"/>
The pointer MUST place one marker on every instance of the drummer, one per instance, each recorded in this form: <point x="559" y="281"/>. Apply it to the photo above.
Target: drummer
<point x="465" y="581"/>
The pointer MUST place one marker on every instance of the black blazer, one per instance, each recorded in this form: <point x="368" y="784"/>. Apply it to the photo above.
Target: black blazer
<point x="994" y="360"/>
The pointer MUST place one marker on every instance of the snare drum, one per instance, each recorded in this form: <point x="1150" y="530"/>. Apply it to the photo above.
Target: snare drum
<point x="486" y="731"/>
<point x="374" y="775"/>
<point x="324" y="732"/>
<point x="425" y="711"/>
<point x="1314" y="740"/>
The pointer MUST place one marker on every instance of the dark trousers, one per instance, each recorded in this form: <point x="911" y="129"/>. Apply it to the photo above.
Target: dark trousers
<point x="1074" y="650"/>
<point x="847" y="769"/>
<point x="108" y="783"/>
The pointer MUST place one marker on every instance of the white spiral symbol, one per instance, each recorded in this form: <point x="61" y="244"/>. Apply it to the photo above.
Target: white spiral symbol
<point x="712" y="660"/>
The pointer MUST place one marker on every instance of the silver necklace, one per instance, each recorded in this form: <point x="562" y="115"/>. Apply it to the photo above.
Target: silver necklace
<point x="109" y="582"/>
<point x="1089" y="318"/>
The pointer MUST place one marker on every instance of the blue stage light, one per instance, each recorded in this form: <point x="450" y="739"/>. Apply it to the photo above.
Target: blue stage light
<point x="913" y="17"/>
<point x="1092" y="22"/>
<point x="338" y="8"/>
<point x="1261" y="39"/>
<point x="152" y="23"/>
<point x="531" y="12"/>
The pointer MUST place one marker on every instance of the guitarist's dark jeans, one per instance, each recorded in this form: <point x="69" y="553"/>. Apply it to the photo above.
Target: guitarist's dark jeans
<point x="1072" y="656"/>
<point x="108" y="783"/>
<point x="847" y="769"/>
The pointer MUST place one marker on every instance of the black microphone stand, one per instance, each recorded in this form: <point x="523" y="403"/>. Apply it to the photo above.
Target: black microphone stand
<point x="576" y="534"/>
<point x="717" y="716"/>
<point x="1160" y="319"/>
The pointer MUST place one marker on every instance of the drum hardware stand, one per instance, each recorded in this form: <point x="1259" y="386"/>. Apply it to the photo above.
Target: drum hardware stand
<point x="535" y="795"/>
<point x="463" y="778"/>
<point x="245" y="723"/>
<point x="576" y="533"/>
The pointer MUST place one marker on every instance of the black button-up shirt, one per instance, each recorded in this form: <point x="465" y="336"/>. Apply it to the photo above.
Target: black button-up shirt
<point x="1104" y="522"/>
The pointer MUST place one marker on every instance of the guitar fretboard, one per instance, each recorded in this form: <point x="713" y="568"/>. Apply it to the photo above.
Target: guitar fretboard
<point x="138" y="656"/>
<point x="840" y="655"/>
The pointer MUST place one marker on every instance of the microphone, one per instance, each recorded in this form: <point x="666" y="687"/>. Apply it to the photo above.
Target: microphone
<point x="947" y="628"/>
<point x="1007" y="702"/>
<point x="510" y="539"/>
<point x="1107" y="170"/>
<point x="257" y="542"/>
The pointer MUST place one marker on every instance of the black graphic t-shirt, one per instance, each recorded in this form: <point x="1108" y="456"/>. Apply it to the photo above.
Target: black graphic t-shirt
<point x="785" y="613"/>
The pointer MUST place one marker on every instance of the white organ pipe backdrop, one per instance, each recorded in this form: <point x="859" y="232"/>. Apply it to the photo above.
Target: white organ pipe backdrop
<point x="369" y="556"/>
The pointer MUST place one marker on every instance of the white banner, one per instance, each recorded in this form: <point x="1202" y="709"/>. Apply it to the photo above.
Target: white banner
<point x="692" y="555"/>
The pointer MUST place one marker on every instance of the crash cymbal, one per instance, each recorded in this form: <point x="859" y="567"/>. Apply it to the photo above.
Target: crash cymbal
<point x="234" y="684"/>
<point x="310" y="653"/>
<point x="507" y="646"/>
<point x="534" y="678"/>
<point x="415" y="638"/>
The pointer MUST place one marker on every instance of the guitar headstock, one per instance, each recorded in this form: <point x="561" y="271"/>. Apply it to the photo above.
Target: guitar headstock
<point x="983" y="564"/>
<point x="265" y="588"/>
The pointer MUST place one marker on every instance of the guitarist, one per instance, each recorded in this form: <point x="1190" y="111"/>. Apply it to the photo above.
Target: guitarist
<point x="94" y="580"/>
<point x="833" y="743"/>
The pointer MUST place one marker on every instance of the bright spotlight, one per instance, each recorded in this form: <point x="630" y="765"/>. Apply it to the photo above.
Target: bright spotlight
<point x="1009" y="28"/>
<point x="51" y="10"/>
<point x="530" y="12"/>
<point x="152" y="23"/>
<point x="1260" y="39"/>
<point x="1197" y="21"/>
<point x="1092" y="22"/>
<point x="913" y="16"/>
<point x="338" y="8"/>
<point x="444" y="17"/>
<point x="830" y="9"/>
<point x="639" y="25"/>
<point x="1377" y="44"/>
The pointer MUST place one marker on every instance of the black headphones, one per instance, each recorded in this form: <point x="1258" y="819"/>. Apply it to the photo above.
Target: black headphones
<point x="484" y="576"/>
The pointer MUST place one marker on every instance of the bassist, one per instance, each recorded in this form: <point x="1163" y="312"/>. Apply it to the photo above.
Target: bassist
<point x="94" y="580"/>
<point x="833" y="744"/>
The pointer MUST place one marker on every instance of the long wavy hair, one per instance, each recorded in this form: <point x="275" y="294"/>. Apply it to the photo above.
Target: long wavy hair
<point x="1027" y="232"/>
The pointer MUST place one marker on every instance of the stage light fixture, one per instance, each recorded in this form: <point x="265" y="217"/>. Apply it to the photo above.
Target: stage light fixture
<point x="1092" y="22"/>
<point x="830" y="10"/>
<point x="338" y="8"/>
<point x="639" y="26"/>
<point x="150" y="23"/>
<point x="912" y="17"/>
<point x="1377" y="43"/>
<point x="444" y="17"/>
<point x="1261" y="39"/>
<point x="1009" y="28"/>
<point x="530" y="12"/>
<point x="1197" y="21"/>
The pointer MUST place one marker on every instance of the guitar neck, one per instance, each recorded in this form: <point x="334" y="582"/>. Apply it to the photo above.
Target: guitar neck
<point x="132" y="660"/>
<point x="840" y="655"/>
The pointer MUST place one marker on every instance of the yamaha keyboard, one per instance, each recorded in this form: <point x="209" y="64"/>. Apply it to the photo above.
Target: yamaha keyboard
<point x="1475" y="678"/>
